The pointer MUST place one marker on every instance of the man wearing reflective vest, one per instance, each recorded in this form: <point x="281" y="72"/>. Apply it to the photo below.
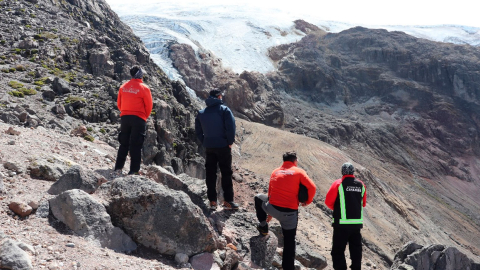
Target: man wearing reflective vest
<point x="346" y="197"/>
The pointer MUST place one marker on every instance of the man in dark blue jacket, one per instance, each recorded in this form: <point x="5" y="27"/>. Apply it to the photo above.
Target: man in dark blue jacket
<point x="215" y="128"/>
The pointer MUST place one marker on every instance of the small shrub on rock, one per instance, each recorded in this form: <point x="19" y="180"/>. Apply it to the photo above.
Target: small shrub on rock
<point x="89" y="138"/>
<point x="16" y="94"/>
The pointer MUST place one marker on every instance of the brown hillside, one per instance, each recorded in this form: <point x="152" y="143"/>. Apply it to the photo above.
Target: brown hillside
<point x="399" y="207"/>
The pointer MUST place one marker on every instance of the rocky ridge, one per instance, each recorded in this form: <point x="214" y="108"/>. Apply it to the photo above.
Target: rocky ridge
<point x="62" y="63"/>
<point x="28" y="177"/>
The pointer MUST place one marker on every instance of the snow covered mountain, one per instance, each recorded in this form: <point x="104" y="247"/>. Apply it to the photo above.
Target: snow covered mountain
<point x="241" y="34"/>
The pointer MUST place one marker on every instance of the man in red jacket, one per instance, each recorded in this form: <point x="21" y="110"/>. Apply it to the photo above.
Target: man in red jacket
<point x="347" y="197"/>
<point x="282" y="203"/>
<point x="135" y="104"/>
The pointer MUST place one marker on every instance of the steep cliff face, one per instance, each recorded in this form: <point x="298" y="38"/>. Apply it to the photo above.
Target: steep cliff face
<point x="403" y="95"/>
<point x="62" y="63"/>
<point x="250" y="95"/>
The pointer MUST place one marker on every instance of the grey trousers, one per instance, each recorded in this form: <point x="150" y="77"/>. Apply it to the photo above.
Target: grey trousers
<point x="288" y="220"/>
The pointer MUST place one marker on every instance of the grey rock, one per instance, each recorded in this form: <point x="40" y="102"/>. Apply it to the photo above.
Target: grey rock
<point x="2" y="186"/>
<point x="60" y="86"/>
<point x="263" y="249"/>
<point x="50" y="169"/>
<point x="9" y="118"/>
<point x="49" y="95"/>
<point x="14" y="166"/>
<point x="88" y="218"/>
<point x="100" y="61"/>
<point x="181" y="258"/>
<point x="160" y="218"/>
<point x="193" y="187"/>
<point x="439" y="257"/>
<point x="75" y="178"/>
<point x="195" y="168"/>
<point x="43" y="209"/>
<point x="13" y="257"/>
<point x="310" y="258"/>
<point x="243" y="266"/>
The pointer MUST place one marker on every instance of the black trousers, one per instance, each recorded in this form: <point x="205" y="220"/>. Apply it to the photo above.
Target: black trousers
<point x="223" y="158"/>
<point x="342" y="236"/>
<point x="131" y="138"/>
<point x="288" y="259"/>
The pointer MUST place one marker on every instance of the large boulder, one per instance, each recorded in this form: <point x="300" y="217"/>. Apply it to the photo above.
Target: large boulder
<point x="89" y="218"/>
<point x="75" y="178"/>
<point x="12" y="256"/>
<point x="160" y="218"/>
<point x="438" y="257"/>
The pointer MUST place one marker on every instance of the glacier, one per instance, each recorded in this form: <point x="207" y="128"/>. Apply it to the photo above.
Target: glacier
<point x="241" y="34"/>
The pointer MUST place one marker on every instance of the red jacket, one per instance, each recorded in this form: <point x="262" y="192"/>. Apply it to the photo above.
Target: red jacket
<point x="332" y="193"/>
<point x="135" y="98"/>
<point x="285" y="183"/>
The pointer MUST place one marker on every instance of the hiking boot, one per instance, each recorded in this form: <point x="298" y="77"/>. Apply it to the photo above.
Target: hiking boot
<point x="263" y="230"/>
<point x="133" y="173"/>
<point x="230" y="205"/>
<point x="213" y="205"/>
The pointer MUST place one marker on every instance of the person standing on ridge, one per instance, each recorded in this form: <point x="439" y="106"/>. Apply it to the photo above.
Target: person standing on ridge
<point x="135" y="104"/>
<point x="282" y="203"/>
<point x="215" y="128"/>
<point x="347" y="197"/>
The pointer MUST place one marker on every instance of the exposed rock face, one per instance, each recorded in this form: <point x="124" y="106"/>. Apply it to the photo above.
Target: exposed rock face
<point x="415" y="91"/>
<point x="80" y="62"/>
<point x="249" y="95"/>
<point x="414" y="256"/>
<point x="88" y="218"/>
<point x="75" y="178"/>
<point x="160" y="218"/>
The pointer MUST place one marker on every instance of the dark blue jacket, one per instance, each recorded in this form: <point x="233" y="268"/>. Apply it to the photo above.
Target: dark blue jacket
<point x="215" y="125"/>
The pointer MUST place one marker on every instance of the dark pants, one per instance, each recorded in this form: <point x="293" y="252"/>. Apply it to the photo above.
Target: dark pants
<point x="131" y="137"/>
<point x="288" y="221"/>
<point x="222" y="157"/>
<point x="342" y="236"/>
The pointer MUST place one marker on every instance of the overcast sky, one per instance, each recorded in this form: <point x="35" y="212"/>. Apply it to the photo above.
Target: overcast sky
<point x="371" y="12"/>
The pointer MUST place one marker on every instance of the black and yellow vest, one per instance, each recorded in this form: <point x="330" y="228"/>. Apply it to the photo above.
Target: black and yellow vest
<point x="348" y="209"/>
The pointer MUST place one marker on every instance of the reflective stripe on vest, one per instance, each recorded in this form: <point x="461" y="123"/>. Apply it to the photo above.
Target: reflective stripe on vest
<point x="343" y="210"/>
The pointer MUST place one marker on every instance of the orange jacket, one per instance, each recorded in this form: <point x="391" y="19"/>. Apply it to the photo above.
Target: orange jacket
<point x="285" y="183"/>
<point x="135" y="98"/>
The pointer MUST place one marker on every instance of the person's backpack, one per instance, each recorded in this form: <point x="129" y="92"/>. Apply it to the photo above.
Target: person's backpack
<point x="302" y="194"/>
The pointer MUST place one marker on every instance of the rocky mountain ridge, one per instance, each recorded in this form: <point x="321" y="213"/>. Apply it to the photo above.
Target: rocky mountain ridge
<point x="62" y="64"/>
<point x="77" y="77"/>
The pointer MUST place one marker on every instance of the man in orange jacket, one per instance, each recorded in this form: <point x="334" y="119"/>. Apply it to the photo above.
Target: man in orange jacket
<point x="135" y="104"/>
<point x="282" y="203"/>
<point x="347" y="197"/>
